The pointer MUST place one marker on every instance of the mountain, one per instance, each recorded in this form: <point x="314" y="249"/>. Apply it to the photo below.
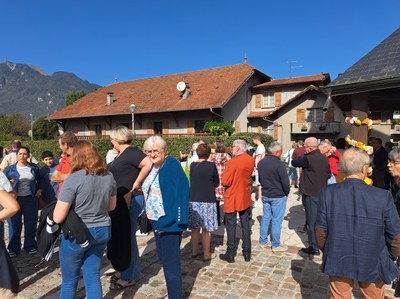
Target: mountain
<point x="29" y="89"/>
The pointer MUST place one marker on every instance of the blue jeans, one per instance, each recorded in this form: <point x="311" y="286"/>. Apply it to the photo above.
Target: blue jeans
<point x="133" y="271"/>
<point x="1" y="231"/>
<point x="311" y="209"/>
<point x="28" y="209"/>
<point x="272" y="208"/>
<point x="73" y="257"/>
<point x="230" y="224"/>
<point x="168" y="251"/>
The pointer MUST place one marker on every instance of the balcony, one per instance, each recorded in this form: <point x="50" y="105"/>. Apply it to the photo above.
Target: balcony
<point x="144" y="136"/>
<point x="395" y="129"/>
<point x="315" y="128"/>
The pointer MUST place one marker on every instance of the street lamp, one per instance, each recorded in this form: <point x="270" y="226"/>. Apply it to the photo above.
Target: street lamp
<point x="31" y="115"/>
<point x="132" y="107"/>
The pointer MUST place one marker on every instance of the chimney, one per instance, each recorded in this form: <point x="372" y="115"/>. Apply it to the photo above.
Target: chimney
<point x="110" y="98"/>
<point x="245" y="59"/>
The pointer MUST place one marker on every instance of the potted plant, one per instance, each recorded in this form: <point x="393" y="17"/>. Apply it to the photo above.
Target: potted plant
<point x="304" y="128"/>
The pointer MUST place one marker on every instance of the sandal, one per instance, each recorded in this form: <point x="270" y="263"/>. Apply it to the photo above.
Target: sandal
<point x="113" y="278"/>
<point x="114" y="286"/>
<point x="209" y="257"/>
<point x="195" y="255"/>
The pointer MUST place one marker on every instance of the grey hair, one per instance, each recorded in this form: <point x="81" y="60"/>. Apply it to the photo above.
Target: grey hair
<point x="155" y="140"/>
<point x="311" y="142"/>
<point x="353" y="160"/>
<point x="394" y="154"/>
<point x="274" y="147"/>
<point x="326" y="143"/>
<point x="241" y="144"/>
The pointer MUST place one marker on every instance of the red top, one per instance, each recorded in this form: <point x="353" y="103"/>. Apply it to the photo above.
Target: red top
<point x="334" y="161"/>
<point x="64" y="166"/>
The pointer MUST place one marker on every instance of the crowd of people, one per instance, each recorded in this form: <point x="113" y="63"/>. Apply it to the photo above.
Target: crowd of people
<point x="356" y="226"/>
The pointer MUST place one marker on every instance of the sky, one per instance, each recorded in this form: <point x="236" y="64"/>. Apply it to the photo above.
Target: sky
<point x="107" y="41"/>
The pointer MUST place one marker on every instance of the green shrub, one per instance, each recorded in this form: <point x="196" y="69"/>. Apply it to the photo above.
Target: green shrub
<point x="218" y="128"/>
<point x="174" y="144"/>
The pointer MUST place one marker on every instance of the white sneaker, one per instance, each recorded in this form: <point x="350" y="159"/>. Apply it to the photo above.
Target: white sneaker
<point x="139" y="234"/>
<point x="265" y="246"/>
<point x="281" y="248"/>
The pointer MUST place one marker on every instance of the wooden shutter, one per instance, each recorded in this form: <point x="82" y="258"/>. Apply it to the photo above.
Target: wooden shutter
<point x="190" y="127"/>
<point x="258" y="100"/>
<point x="276" y="130"/>
<point x="165" y="128"/>
<point x="150" y="130"/>
<point x="237" y="126"/>
<point x="278" y="98"/>
<point x="330" y="114"/>
<point x="301" y="115"/>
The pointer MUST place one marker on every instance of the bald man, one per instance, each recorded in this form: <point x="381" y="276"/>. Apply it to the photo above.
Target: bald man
<point x="315" y="175"/>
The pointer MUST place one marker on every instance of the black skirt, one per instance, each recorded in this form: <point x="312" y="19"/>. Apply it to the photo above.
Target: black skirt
<point x="8" y="276"/>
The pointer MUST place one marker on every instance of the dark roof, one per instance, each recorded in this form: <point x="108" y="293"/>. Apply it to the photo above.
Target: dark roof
<point x="318" y="80"/>
<point x="383" y="62"/>
<point x="208" y="88"/>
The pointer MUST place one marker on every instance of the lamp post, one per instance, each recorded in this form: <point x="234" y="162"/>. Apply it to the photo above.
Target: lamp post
<point x="132" y="107"/>
<point x="31" y="115"/>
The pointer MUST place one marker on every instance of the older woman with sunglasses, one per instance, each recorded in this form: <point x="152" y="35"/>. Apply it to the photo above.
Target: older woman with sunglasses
<point x="166" y="191"/>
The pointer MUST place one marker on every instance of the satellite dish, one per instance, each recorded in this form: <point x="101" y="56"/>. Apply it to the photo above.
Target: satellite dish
<point x="181" y="86"/>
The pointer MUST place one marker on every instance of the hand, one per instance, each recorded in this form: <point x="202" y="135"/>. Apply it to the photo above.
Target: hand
<point x="137" y="186"/>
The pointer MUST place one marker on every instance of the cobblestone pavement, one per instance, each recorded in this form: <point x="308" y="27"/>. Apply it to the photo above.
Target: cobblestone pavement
<point x="268" y="275"/>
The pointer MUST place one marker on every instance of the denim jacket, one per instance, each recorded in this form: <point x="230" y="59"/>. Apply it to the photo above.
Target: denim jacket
<point x="11" y="172"/>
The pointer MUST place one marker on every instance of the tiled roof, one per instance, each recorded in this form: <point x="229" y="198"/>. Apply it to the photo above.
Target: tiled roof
<point x="320" y="79"/>
<point x="382" y="62"/>
<point x="208" y="88"/>
<point x="258" y="114"/>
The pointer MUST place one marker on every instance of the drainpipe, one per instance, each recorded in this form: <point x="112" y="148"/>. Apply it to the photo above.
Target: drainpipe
<point x="219" y="115"/>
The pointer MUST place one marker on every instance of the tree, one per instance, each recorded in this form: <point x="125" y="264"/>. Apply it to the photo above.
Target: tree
<point x="218" y="128"/>
<point x="44" y="129"/>
<point x="74" y="96"/>
<point x="14" y="124"/>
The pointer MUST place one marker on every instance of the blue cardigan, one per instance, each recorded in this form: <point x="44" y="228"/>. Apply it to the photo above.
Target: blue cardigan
<point x="11" y="172"/>
<point x="174" y="187"/>
<point x="358" y="227"/>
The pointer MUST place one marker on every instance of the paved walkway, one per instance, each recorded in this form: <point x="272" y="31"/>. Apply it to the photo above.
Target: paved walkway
<point x="268" y="275"/>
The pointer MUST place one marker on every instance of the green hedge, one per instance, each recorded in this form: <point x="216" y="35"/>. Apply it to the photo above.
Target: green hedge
<point x="174" y="144"/>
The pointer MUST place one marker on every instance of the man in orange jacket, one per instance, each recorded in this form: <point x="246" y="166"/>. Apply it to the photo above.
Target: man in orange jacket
<point x="237" y="199"/>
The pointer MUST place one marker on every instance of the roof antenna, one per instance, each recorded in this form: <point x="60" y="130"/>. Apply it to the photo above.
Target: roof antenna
<point x="292" y="67"/>
<point x="115" y="80"/>
<point x="245" y="59"/>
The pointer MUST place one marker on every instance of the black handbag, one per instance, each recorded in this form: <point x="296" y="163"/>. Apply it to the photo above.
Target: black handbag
<point x="144" y="224"/>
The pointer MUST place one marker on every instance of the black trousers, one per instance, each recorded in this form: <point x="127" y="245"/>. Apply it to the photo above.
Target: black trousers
<point x="230" y="223"/>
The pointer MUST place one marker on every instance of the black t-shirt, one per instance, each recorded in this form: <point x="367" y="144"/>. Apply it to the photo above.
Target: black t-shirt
<point x="203" y="181"/>
<point x="125" y="169"/>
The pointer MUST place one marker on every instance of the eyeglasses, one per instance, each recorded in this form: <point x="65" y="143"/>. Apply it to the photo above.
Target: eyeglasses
<point x="393" y="162"/>
<point x="155" y="152"/>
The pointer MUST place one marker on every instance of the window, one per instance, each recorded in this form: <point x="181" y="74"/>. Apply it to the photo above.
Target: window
<point x="97" y="129"/>
<point x="315" y="115"/>
<point x="268" y="100"/>
<point x="199" y="125"/>
<point x="157" y="127"/>
<point x="269" y="130"/>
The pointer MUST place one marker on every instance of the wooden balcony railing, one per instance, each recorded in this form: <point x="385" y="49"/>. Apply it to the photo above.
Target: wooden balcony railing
<point x="144" y="136"/>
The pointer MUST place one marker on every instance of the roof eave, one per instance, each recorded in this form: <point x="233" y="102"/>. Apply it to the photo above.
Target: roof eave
<point x="364" y="86"/>
<point x="137" y="113"/>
